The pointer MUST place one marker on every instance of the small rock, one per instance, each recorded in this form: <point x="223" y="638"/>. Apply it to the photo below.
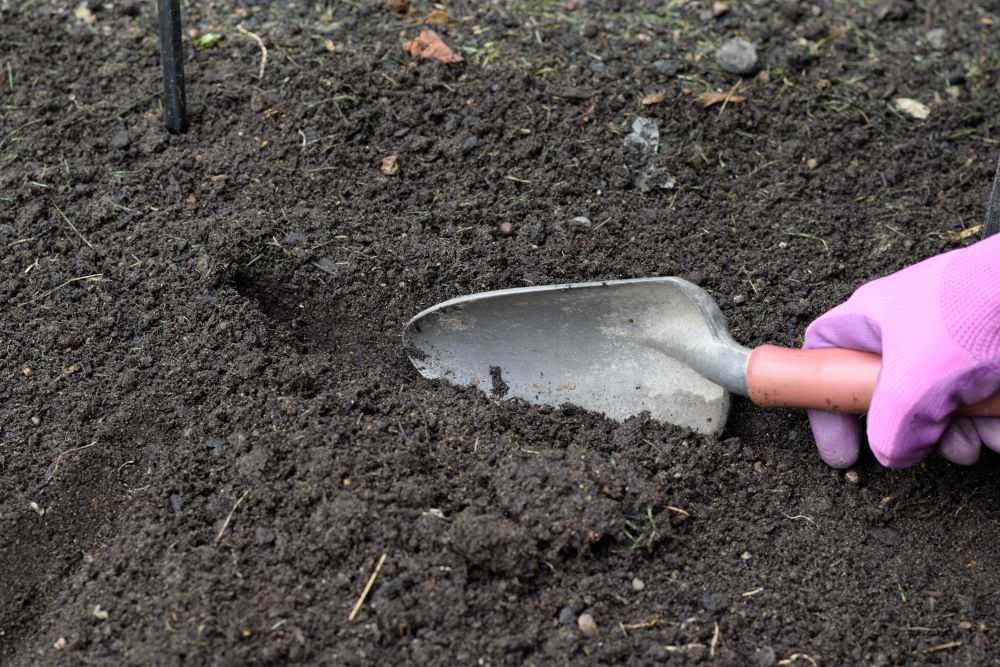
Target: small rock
<point x="506" y="229"/>
<point x="666" y="67"/>
<point x="852" y="476"/>
<point x="812" y="163"/>
<point x="696" y="277"/>
<point x="36" y="420"/>
<point x="100" y="613"/>
<point x="713" y="602"/>
<point x="26" y="372"/>
<point x="745" y="555"/>
<point x="765" y="657"/>
<point x="720" y="8"/>
<point x="295" y="238"/>
<point x="581" y="221"/>
<point x="739" y="299"/>
<point x="469" y="144"/>
<point x="176" y="502"/>
<point x="597" y="67"/>
<point x="937" y="39"/>
<point x="737" y="56"/>
<point x="587" y="625"/>
<point x="590" y="31"/>
<point x="263" y="536"/>
<point x="567" y="616"/>
<point x="638" y="584"/>
<point x="59" y="644"/>
<point x="215" y="443"/>
<point x="120" y="138"/>
<point x="645" y="135"/>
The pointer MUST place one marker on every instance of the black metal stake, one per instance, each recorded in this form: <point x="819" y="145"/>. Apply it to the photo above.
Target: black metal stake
<point x="172" y="58"/>
<point x="992" y="224"/>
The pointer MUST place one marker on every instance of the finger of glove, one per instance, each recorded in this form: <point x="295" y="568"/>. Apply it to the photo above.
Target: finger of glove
<point x="842" y="327"/>
<point x="988" y="429"/>
<point x="960" y="443"/>
<point x="837" y="436"/>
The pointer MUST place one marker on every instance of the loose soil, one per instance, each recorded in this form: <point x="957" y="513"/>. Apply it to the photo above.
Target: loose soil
<point x="209" y="432"/>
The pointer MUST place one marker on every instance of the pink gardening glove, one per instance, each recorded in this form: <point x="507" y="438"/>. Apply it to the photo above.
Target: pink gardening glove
<point x="937" y="326"/>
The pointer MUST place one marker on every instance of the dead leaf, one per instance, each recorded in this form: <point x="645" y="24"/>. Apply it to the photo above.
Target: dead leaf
<point x="429" y="45"/>
<point x="713" y="97"/>
<point x="401" y="6"/>
<point x="967" y="233"/>
<point x="390" y="165"/>
<point x="437" y="17"/>
<point x="911" y="107"/>
<point x="654" y="98"/>
<point x="329" y="45"/>
<point x="84" y="14"/>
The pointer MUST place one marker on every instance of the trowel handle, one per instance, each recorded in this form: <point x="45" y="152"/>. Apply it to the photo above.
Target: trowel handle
<point x="831" y="379"/>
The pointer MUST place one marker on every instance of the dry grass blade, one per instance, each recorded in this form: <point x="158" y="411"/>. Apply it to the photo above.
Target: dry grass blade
<point x="229" y="517"/>
<point x="368" y="588"/>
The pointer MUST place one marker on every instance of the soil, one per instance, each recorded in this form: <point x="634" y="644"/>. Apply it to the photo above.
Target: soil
<point x="209" y="432"/>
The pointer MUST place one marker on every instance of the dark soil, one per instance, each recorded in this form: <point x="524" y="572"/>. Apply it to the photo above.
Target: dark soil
<point x="209" y="433"/>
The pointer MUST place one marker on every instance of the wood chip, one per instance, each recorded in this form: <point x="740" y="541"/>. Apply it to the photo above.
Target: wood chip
<point x="390" y="165"/>
<point x="654" y="98"/>
<point x="911" y="107"/>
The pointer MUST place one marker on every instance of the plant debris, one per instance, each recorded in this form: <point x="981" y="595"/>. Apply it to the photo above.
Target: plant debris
<point x="654" y="98"/>
<point x="428" y="45"/>
<point x="711" y="98"/>
<point x="390" y="165"/>
<point x="911" y="107"/>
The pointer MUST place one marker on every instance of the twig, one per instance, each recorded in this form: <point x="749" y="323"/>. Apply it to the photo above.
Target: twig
<point x="73" y="227"/>
<point x="939" y="647"/>
<point x="92" y="276"/>
<point x="368" y="587"/>
<point x="225" y="524"/>
<point x="650" y="622"/>
<point x="55" y="464"/>
<point x="795" y="656"/>
<point x="714" y="642"/>
<point x="263" y="49"/>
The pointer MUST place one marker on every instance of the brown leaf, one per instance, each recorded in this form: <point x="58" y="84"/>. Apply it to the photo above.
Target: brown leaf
<point x="654" y="98"/>
<point x="429" y="45"/>
<point x="401" y="6"/>
<point x="83" y="13"/>
<point x="437" y="17"/>
<point x="329" y="45"/>
<point x="390" y="165"/>
<point x="712" y="98"/>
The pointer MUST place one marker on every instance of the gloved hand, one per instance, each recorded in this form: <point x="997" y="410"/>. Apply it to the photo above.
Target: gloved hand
<point x="937" y="326"/>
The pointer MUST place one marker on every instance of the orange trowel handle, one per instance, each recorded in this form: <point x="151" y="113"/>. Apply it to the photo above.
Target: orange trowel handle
<point x="825" y="379"/>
